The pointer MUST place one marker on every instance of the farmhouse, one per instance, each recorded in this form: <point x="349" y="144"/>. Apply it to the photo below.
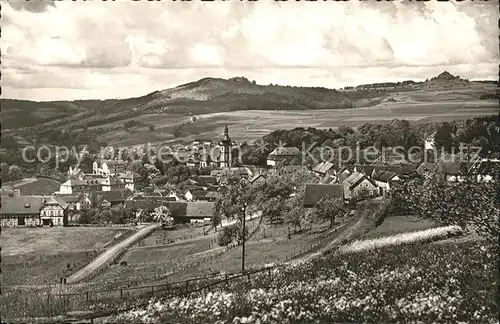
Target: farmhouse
<point x="315" y="192"/>
<point x="53" y="212"/>
<point x="132" y="180"/>
<point x="356" y="184"/>
<point x="32" y="211"/>
<point x="196" y="212"/>
<point x="72" y="186"/>
<point x="282" y="155"/>
<point x="383" y="180"/>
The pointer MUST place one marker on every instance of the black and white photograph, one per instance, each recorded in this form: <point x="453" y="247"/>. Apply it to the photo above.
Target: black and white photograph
<point x="249" y="161"/>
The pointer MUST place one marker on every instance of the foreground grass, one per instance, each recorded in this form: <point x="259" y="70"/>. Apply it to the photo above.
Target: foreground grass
<point x="446" y="283"/>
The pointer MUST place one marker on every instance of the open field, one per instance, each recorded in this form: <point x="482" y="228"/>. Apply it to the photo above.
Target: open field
<point x="42" y="241"/>
<point x="37" y="256"/>
<point x="248" y="125"/>
<point x="33" y="186"/>
<point x="42" y="269"/>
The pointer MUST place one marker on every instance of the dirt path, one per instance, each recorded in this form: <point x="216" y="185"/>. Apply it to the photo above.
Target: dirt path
<point x="109" y="255"/>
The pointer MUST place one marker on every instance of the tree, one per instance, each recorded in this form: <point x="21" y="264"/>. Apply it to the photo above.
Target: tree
<point x="15" y="172"/>
<point x="443" y="137"/>
<point x="215" y="219"/>
<point x="471" y="204"/>
<point x="163" y="215"/>
<point x="151" y="128"/>
<point x="329" y="208"/>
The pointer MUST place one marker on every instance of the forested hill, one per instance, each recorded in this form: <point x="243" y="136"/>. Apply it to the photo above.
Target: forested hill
<point x="207" y="95"/>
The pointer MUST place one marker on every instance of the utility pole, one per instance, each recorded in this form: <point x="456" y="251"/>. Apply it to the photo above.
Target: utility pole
<point x="244" y="238"/>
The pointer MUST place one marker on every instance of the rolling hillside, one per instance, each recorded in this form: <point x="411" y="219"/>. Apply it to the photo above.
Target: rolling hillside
<point x="215" y="101"/>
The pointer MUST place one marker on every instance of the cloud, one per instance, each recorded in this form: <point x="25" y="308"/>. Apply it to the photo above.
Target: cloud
<point x="93" y="45"/>
<point x="32" y="6"/>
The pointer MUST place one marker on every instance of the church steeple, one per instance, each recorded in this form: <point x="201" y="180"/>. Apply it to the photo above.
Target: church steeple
<point x="226" y="134"/>
<point x="226" y="148"/>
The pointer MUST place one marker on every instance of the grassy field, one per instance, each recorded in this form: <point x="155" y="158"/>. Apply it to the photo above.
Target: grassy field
<point x="40" y="255"/>
<point x="399" y="224"/>
<point x="42" y="269"/>
<point x="42" y="241"/>
<point x="248" y="125"/>
<point x="34" y="186"/>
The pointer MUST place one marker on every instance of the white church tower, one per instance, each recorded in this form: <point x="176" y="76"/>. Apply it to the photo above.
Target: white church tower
<point x="225" y="150"/>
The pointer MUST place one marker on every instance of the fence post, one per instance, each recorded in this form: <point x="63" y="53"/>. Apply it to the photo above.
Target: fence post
<point x="121" y="293"/>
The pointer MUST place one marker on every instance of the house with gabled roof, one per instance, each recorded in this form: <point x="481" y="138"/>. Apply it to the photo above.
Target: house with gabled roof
<point x="31" y="211"/>
<point x="315" y="192"/>
<point x="282" y="154"/>
<point x="324" y="168"/>
<point x="195" y="194"/>
<point x="342" y="174"/>
<point x="384" y="179"/>
<point x="72" y="186"/>
<point x="356" y="184"/>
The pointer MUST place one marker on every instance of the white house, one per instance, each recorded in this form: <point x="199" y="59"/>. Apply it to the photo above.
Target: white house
<point x="72" y="186"/>
<point x="52" y="212"/>
<point x="282" y="154"/>
<point x="356" y="183"/>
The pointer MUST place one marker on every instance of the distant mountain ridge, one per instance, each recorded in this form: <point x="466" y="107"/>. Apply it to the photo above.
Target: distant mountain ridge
<point x="207" y="95"/>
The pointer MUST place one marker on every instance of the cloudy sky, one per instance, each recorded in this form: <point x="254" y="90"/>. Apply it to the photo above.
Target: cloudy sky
<point x="95" y="49"/>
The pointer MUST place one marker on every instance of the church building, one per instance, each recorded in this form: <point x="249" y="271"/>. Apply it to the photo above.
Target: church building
<point x="226" y="148"/>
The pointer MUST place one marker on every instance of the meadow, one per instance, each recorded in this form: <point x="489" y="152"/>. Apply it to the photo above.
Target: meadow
<point x="442" y="283"/>
<point x="33" y="186"/>
<point x="38" y="256"/>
